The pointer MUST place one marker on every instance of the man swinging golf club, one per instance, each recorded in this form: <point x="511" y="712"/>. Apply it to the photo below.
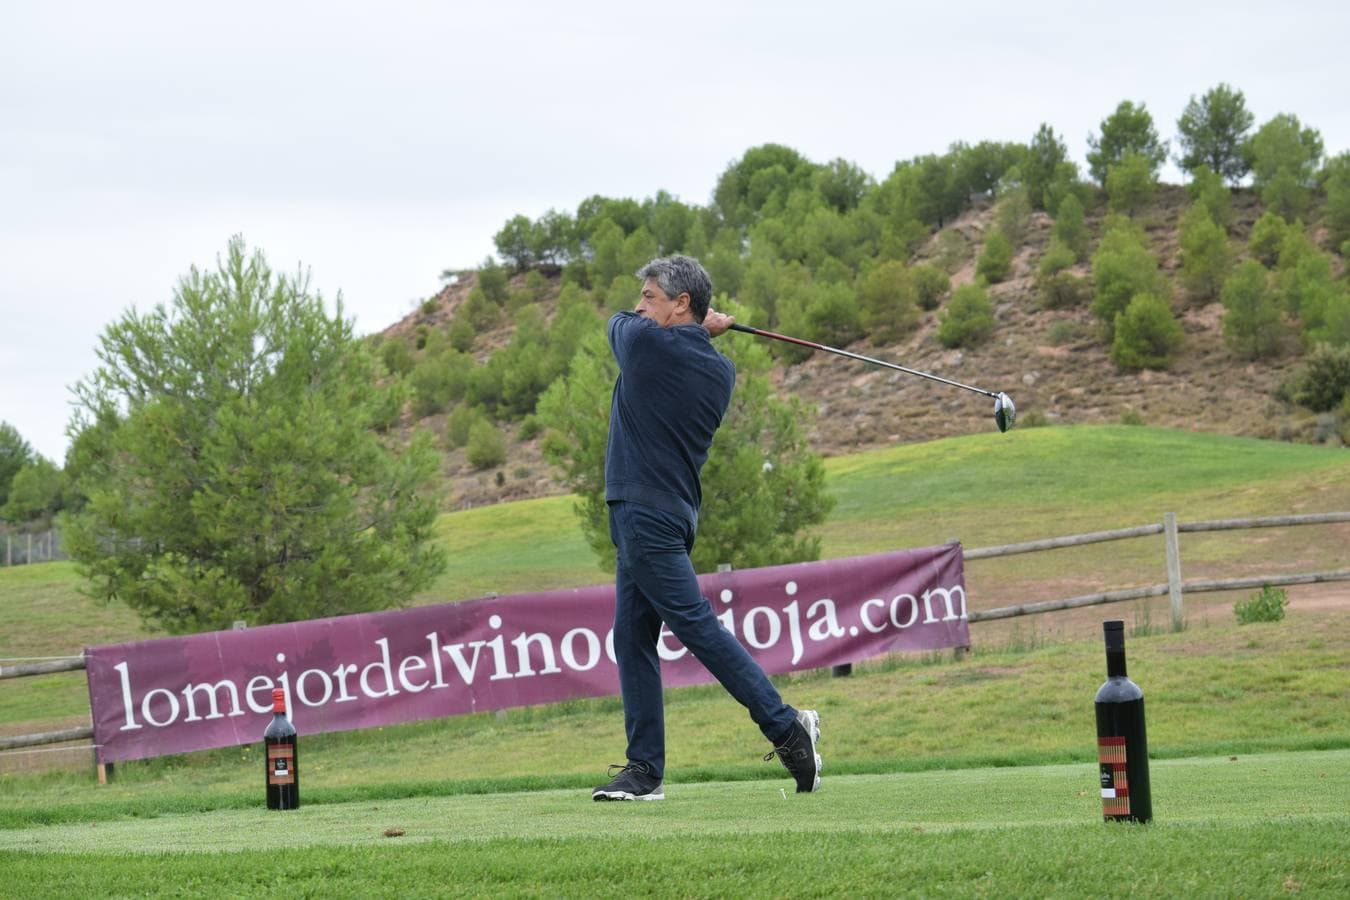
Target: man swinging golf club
<point x="672" y="391"/>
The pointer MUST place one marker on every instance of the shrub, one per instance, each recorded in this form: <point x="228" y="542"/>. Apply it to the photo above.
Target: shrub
<point x="481" y="311"/>
<point x="530" y="428"/>
<point x="1057" y="257"/>
<point x="533" y="290"/>
<point x="1251" y="324"/>
<point x="1146" y="334"/>
<point x="492" y="281"/>
<point x="1121" y="268"/>
<point x="1205" y="257"/>
<point x="1285" y="157"/>
<point x="1070" y="228"/>
<point x="930" y="283"/>
<point x="953" y="249"/>
<point x="889" y="306"/>
<point x="1323" y="381"/>
<point x="1208" y="192"/>
<point x="1063" y="332"/>
<point x="460" y="422"/>
<point x="1063" y="290"/>
<point x="487" y="446"/>
<point x="1058" y="288"/>
<point x="1014" y="215"/>
<point x="967" y="319"/>
<point x="832" y="315"/>
<point x="1266" y="238"/>
<point x="1032" y="418"/>
<point x="438" y="381"/>
<point x="1130" y="183"/>
<point x="1131" y="416"/>
<point x="1337" y="207"/>
<point x="1265" y="606"/>
<point x="398" y="359"/>
<point x="995" y="262"/>
<point x="1329" y="322"/>
<point x="461" y="334"/>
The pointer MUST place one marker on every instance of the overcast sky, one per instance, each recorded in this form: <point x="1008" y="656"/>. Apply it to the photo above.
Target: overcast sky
<point x="379" y="144"/>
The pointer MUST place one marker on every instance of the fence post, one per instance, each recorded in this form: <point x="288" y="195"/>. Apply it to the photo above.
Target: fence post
<point x="1173" y="567"/>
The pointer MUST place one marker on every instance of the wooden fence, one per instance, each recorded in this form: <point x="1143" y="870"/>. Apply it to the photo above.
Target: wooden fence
<point x="1175" y="588"/>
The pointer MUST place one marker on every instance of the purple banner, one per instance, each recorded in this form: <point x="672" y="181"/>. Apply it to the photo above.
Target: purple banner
<point x="172" y="695"/>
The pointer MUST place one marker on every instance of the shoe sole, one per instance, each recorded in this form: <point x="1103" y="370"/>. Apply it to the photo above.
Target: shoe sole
<point x="810" y="720"/>
<point x="599" y="796"/>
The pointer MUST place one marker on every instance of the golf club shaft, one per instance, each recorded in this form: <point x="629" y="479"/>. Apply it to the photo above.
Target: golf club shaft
<point x="867" y="359"/>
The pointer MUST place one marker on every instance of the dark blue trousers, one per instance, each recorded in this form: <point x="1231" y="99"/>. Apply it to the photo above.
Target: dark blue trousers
<point x="655" y="583"/>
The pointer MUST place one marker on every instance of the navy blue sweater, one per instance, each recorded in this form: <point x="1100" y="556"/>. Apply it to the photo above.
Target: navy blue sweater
<point x="672" y="392"/>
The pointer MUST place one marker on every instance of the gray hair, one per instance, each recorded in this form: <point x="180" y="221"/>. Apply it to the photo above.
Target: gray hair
<point x="678" y="275"/>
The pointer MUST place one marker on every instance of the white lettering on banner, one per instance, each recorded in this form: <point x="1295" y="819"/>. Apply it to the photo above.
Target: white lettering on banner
<point x="304" y="696"/>
<point x="794" y="631"/>
<point x="522" y="644"/>
<point x="826" y="627"/>
<point x="411" y="662"/>
<point x="435" y="656"/>
<point x="913" y="610"/>
<point x="149" y="697"/>
<point x="255" y="684"/>
<point x="191" y="690"/>
<point x="128" y="706"/>
<point x="946" y="596"/>
<point x="340" y="676"/>
<point x="537" y="653"/>
<point x="381" y="664"/>
<point x="664" y="650"/>
<point x="569" y="655"/>
<point x="770" y="616"/>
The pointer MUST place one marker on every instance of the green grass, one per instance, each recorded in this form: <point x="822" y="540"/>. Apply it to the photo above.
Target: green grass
<point x="1245" y="826"/>
<point x="971" y="777"/>
<point x="1223" y="689"/>
<point x="983" y="490"/>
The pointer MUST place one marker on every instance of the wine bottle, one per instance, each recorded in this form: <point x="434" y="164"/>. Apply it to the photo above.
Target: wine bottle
<point x="1122" y="745"/>
<point x="281" y="757"/>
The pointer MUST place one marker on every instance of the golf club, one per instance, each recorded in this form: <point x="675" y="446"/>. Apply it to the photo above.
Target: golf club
<point x="1004" y="411"/>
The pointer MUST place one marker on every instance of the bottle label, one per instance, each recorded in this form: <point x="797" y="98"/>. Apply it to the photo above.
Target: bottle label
<point x="1115" y="784"/>
<point x="281" y="764"/>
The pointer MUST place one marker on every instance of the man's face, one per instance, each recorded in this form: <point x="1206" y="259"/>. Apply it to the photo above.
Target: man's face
<point x="660" y="307"/>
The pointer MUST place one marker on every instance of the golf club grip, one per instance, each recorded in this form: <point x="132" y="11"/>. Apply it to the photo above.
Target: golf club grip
<point x="760" y="332"/>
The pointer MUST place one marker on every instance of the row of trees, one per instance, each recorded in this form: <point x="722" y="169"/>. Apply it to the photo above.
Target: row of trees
<point x="32" y="489"/>
<point x="797" y="242"/>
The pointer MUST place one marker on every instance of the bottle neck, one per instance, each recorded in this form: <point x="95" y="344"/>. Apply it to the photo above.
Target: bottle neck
<point x="1114" y="633"/>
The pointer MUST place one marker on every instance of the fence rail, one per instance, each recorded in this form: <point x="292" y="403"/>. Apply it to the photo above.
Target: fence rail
<point x="1174" y="587"/>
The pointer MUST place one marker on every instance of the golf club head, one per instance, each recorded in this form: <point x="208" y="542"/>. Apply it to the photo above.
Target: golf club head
<point x="1004" y="411"/>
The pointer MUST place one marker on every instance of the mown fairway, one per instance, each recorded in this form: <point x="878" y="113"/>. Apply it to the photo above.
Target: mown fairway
<point x="972" y="777"/>
<point x="1030" y="831"/>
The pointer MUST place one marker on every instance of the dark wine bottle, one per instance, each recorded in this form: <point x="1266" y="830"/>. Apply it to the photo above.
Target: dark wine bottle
<point x="281" y="757"/>
<point x="1122" y="745"/>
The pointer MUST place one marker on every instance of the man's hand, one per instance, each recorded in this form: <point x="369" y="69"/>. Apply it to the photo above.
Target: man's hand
<point x="716" y="322"/>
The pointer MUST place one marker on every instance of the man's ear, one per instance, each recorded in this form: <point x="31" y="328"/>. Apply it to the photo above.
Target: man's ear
<point x="682" y="307"/>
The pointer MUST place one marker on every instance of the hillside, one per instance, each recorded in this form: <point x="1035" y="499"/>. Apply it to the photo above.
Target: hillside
<point x="1051" y="361"/>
